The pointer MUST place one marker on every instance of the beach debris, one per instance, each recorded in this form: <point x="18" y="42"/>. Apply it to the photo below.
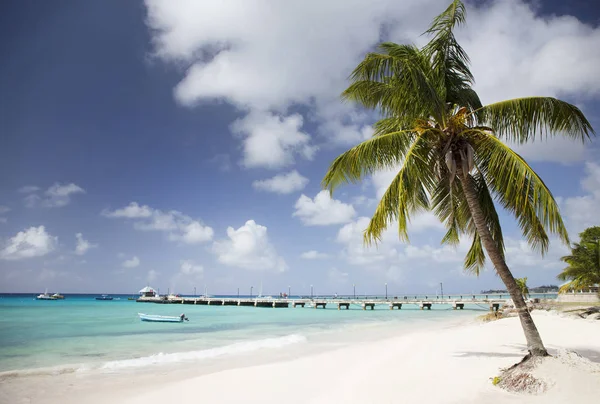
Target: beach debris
<point x="537" y="375"/>
<point x="519" y="378"/>
<point x="493" y="316"/>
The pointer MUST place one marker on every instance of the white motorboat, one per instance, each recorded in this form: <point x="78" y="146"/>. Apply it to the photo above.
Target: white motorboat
<point x="162" y="319"/>
<point x="46" y="296"/>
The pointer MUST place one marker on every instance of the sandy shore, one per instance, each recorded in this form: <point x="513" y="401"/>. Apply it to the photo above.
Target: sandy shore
<point x="439" y="365"/>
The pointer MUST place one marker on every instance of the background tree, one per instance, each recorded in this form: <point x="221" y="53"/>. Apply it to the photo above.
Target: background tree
<point x="522" y="284"/>
<point x="452" y="152"/>
<point x="583" y="268"/>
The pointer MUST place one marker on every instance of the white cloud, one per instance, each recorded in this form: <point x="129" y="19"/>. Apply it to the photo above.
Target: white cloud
<point x="131" y="263"/>
<point x="557" y="149"/>
<point x="347" y="133"/>
<point x="236" y="47"/>
<point x="282" y="183"/>
<point x="4" y="209"/>
<point x="27" y="189"/>
<point x="31" y="200"/>
<point x="47" y="274"/>
<point x="56" y="196"/>
<point x="131" y="211"/>
<point x="392" y="259"/>
<point x="272" y="141"/>
<point x="235" y="51"/>
<point x="313" y="255"/>
<point x="356" y="253"/>
<point x="582" y="211"/>
<point x="179" y="227"/>
<point x="249" y="247"/>
<point x="60" y="195"/>
<point x="521" y="257"/>
<point x="189" y="268"/>
<point x="83" y="245"/>
<point x="336" y="276"/>
<point x="32" y="242"/>
<point x="152" y="275"/>
<point x="323" y="210"/>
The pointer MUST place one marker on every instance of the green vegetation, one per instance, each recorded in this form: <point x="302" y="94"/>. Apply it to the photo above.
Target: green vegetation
<point x="583" y="270"/>
<point x="522" y="284"/>
<point x="452" y="151"/>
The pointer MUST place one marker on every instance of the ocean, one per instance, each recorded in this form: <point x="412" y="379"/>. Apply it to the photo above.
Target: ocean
<point x="81" y="334"/>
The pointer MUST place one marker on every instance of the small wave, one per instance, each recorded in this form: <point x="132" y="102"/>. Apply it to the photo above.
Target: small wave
<point x="237" y="348"/>
<point x="160" y="358"/>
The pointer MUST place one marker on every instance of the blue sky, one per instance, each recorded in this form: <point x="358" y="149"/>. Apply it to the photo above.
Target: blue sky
<point x="182" y="145"/>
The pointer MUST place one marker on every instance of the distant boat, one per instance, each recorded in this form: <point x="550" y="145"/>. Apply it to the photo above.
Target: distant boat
<point x="260" y="295"/>
<point x="58" y="296"/>
<point x="45" y="296"/>
<point x="162" y="319"/>
<point x="104" y="297"/>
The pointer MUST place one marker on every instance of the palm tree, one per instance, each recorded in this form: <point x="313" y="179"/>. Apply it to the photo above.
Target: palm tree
<point x="584" y="262"/>
<point x="452" y="154"/>
<point x="522" y="284"/>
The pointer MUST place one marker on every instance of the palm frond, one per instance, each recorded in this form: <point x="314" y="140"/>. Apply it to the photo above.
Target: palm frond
<point x="371" y="155"/>
<point x="475" y="258"/>
<point x="524" y="119"/>
<point x="450" y="61"/>
<point x="398" y="81"/>
<point x="520" y="190"/>
<point x="406" y="194"/>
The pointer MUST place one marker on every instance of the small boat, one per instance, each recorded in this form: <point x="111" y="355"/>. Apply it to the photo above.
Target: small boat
<point x="162" y="319"/>
<point x="104" y="297"/>
<point x="58" y="296"/>
<point x="45" y="296"/>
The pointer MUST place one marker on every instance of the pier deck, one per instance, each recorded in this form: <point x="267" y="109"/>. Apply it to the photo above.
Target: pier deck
<point x="456" y="302"/>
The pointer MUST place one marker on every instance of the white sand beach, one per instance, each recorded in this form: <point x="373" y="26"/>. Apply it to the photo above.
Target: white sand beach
<point x="443" y="364"/>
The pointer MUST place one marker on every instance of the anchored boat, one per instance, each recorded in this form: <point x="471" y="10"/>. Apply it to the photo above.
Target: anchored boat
<point x="104" y="297"/>
<point x="45" y="296"/>
<point x="162" y="319"/>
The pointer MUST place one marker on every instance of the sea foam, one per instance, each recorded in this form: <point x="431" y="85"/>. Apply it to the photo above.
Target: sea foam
<point x="232" y="349"/>
<point x="161" y="358"/>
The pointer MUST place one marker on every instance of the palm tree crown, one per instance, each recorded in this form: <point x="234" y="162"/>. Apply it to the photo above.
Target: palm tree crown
<point x="435" y="127"/>
<point x="583" y="268"/>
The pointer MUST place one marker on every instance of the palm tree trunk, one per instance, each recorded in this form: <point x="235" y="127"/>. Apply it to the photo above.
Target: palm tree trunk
<point x="534" y="341"/>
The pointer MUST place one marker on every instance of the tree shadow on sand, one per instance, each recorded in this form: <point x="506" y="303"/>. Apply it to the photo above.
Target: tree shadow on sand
<point x="590" y="354"/>
<point x="475" y="354"/>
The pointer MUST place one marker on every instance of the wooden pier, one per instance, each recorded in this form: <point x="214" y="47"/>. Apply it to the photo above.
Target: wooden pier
<point x="455" y="302"/>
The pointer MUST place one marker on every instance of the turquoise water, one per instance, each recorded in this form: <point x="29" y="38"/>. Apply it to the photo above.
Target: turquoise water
<point x="81" y="332"/>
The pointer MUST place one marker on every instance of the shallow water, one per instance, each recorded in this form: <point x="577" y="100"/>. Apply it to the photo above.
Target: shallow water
<point x="83" y="333"/>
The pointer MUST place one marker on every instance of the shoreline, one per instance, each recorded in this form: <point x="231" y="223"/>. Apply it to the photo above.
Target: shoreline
<point x="377" y="364"/>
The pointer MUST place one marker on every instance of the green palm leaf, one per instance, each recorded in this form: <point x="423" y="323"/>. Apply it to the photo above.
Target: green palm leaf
<point x="524" y="119"/>
<point x="398" y="80"/>
<point x="374" y="154"/>
<point x="520" y="190"/>
<point x="407" y="194"/>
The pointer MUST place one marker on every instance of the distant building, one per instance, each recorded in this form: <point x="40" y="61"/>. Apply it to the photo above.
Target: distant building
<point x="148" y="292"/>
